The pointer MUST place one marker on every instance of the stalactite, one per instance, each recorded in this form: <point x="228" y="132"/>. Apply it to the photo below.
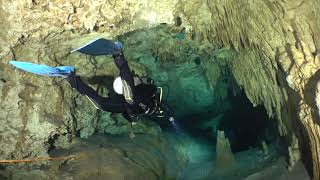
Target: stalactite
<point x="274" y="30"/>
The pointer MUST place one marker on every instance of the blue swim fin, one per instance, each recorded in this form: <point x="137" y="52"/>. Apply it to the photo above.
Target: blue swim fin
<point x="100" y="47"/>
<point x="41" y="69"/>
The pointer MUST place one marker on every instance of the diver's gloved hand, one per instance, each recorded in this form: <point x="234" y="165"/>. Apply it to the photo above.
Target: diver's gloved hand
<point x="118" y="56"/>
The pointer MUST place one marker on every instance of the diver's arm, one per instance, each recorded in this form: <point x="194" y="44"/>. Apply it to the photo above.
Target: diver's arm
<point x="104" y="103"/>
<point x="126" y="77"/>
<point x="124" y="69"/>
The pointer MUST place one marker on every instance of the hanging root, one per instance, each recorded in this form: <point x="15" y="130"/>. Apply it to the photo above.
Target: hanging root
<point x="36" y="159"/>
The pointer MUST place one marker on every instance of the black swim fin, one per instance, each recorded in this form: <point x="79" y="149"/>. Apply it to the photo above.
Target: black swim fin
<point x="100" y="47"/>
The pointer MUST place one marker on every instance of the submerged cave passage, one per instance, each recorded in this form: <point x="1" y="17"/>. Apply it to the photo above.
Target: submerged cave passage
<point x="244" y="125"/>
<point x="247" y="126"/>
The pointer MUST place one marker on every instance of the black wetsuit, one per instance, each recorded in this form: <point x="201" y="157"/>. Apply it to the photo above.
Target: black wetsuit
<point x="143" y="94"/>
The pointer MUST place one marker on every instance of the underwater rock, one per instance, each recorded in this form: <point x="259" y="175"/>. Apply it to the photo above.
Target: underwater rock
<point x="294" y="152"/>
<point x="116" y="124"/>
<point x="106" y="157"/>
<point x="265" y="148"/>
<point x="225" y="157"/>
<point x="34" y="18"/>
<point x="87" y="116"/>
<point x="30" y="117"/>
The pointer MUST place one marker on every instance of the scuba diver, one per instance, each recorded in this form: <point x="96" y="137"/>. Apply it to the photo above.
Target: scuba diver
<point x="136" y="96"/>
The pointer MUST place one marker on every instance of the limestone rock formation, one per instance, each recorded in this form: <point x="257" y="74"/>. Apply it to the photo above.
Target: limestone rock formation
<point x="294" y="152"/>
<point x="265" y="149"/>
<point x="101" y="157"/>
<point x="283" y="38"/>
<point x="225" y="157"/>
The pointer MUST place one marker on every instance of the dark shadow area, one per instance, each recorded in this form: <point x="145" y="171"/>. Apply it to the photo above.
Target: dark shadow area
<point x="246" y="126"/>
<point x="103" y="82"/>
<point x="191" y="123"/>
<point x="293" y="104"/>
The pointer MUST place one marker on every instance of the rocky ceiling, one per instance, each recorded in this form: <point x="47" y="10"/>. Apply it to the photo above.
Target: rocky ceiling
<point x="274" y="45"/>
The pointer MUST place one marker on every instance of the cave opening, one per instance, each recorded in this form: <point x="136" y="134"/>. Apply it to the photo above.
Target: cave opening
<point x="245" y="126"/>
<point x="252" y="134"/>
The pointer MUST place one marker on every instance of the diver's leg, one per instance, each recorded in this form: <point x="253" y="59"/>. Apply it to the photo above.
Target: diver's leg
<point x="115" y="104"/>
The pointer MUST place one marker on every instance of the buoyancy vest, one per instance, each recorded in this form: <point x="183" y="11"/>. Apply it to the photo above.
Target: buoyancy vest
<point x="145" y="94"/>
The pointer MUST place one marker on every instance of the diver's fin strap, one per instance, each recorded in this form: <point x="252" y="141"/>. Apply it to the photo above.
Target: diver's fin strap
<point x="94" y="104"/>
<point x="127" y="92"/>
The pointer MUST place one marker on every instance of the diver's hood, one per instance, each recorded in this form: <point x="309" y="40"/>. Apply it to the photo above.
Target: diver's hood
<point x="117" y="85"/>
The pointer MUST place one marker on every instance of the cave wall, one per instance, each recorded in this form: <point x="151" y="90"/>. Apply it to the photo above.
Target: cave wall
<point x="277" y="44"/>
<point x="276" y="60"/>
<point x="39" y="113"/>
